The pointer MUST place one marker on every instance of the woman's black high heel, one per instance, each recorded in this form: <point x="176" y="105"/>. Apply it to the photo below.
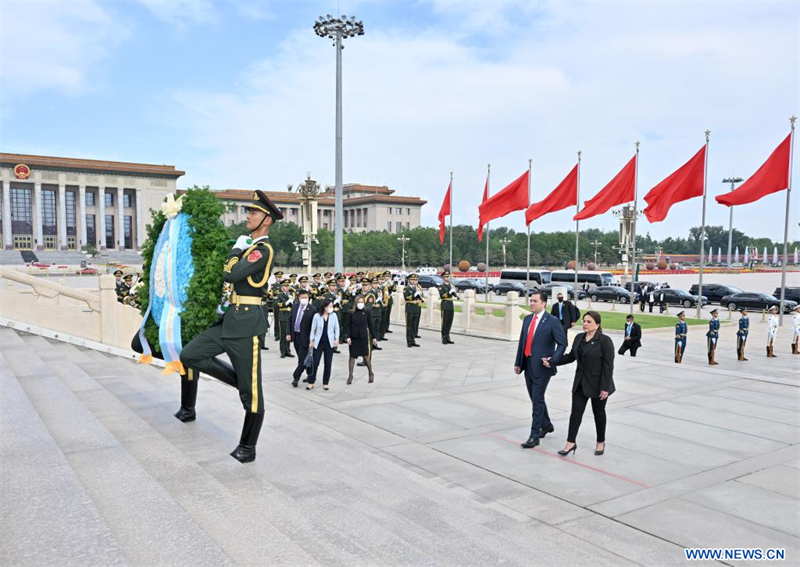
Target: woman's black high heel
<point x="599" y="452"/>
<point x="572" y="450"/>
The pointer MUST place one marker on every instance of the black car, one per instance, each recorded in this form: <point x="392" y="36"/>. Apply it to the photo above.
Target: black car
<point x="715" y="292"/>
<point x="504" y="287"/>
<point x="611" y="293"/>
<point x="637" y="286"/>
<point x="792" y="293"/>
<point x="679" y="297"/>
<point x="756" y="301"/>
<point x="548" y="288"/>
<point x="479" y="286"/>
<point x="430" y="281"/>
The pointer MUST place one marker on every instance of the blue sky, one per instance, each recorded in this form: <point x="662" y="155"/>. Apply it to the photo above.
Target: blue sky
<point x="240" y="94"/>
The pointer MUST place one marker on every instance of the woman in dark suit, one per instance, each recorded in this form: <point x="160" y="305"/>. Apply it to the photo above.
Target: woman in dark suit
<point x="594" y="380"/>
<point x="360" y="337"/>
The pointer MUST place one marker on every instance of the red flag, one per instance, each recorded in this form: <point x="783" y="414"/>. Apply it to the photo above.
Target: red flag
<point x="443" y="212"/>
<point x="683" y="184"/>
<point x="563" y="196"/>
<point x="771" y="177"/>
<point x="485" y="198"/>
<point x="512" y="198"/>
<point x="619" y="190"/>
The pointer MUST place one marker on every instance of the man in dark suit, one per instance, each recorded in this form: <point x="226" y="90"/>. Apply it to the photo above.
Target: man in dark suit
<point x="300" y="331"/>
<point x="564" y="311"/>
<point x="633" y="337"/>
<point x="542" y="340"/>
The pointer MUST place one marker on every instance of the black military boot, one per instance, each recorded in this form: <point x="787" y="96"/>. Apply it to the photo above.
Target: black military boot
<point x="245" y="452"/>
<point x="188" y="396"/>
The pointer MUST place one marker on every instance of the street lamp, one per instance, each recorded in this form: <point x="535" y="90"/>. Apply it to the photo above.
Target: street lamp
<point x="505" y="241"/>
<point x="733" y="181"/>
<point x="338" y="29"/>
<point x="403" y="240"/>
<point x="309" y="194"/>
<point x="596" y="245"/>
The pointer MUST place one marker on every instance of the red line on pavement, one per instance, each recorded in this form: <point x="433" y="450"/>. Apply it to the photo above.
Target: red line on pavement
<point x="565" y="459"/>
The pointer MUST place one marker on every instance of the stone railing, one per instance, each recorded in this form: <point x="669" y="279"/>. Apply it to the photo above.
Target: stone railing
<point x="93" y="315"/>
<point x="492" y="320"/>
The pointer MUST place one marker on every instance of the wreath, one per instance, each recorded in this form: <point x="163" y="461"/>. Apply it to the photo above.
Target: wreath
<point x="209" y="248"/>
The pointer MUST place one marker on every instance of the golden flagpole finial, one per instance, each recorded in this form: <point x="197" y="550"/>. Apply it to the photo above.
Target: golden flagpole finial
<point x="708" y="135"/>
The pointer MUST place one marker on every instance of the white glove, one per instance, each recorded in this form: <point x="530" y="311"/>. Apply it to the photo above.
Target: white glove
<point x="242" y="242"/>
<point x="290" y="300"/>
<point x="338" y="300"/>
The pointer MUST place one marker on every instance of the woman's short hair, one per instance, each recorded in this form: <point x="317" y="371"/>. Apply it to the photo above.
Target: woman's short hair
<point x="326" y="302"/>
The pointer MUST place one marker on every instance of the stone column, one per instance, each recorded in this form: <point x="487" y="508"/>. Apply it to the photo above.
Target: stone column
<point x="120" y="221"/>
<point x="139" y="220"/>
<point x="101" y="216"/>
<point x="82" y="215"/>
<point x="62" y="216"/>
<point x="467" y="307"/>
<point x="37" y="229"/>
<point x="8" y="241"/>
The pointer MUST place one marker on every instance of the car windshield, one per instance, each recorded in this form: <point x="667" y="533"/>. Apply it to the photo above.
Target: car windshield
<point x="734" y="289"/>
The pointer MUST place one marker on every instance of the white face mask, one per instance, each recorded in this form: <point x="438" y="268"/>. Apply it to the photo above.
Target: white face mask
<point x="329" y="309"/>
<point x="303" y="301"/>
<point x="360" y="305"/>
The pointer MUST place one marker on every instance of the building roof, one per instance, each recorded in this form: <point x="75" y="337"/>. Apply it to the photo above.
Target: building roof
<point x="90" y="164"/>
<point x="284" y="197"/>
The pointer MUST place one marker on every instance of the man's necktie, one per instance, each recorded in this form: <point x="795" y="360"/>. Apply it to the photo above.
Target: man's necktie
<point x="529" y="339"/>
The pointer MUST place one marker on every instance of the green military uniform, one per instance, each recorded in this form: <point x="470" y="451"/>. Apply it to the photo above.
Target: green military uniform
<point x="122" y="288"/>
<point x="335" y="297"/>
<point x="377" y="308"/>
<point x="344" y="313"/>
<point x="391" y="287"/>
<point x="284" y="301"/>
<point x="237" y="334"/>
<point x="413" y="296"/>
<point x="317" y="289"/>
<point x="274" y="290"/>
<point x="447" y="293"/>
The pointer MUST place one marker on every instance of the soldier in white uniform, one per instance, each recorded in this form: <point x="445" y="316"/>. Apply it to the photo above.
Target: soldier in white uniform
<point x="796" y="331"/>
<point x="772" y="330"/>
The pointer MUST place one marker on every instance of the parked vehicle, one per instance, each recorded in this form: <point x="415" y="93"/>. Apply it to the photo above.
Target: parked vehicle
<point x="87" y="272"/>
<point x="680" y="297"/>
<point x="504" y="287"/>
<point x="570" y="290"/>
<point x="715" y="292"/>
<point x="534" y="277"/>
<point x="426" y="271"/>
<point x="792" y="293"/>
<point x="593" y="278"/>
<point x="612" y="293"/>
<point x="757" y="301"/>
<point x="637" y="287"/>
<point x="426" y="281"/>
<point x="479" y="286"/>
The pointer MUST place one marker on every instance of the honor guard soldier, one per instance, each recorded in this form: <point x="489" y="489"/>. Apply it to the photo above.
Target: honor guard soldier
<point x="681" y="329"/>
<point x="274" y="290"/>
<point x="334" y="296"/>
<point x="318" y="289"/>
<point x="122" y="288"/>
<point x="344" y="311"/>
<point x="413" y="296"/>
<point x="772" y="330"/>
<point x="447" y="293"/>
<point x="237" y="334"/>
<point x="373" y="300"/>
<point x="380" y="305"/>
<point x="712" y="335"/>
<point x="741" y="334"/>
<point x="304" y="286"/>
<point x="293" y="282"/>
<point x="391" y="288"/>
<point x="796" y="331"/>
<point x="284" y="301"/>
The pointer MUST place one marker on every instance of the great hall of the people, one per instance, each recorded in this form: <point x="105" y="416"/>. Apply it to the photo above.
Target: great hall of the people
<point x="55" y="203"/>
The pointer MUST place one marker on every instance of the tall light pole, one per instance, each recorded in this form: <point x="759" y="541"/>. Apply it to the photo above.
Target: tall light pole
<point x="338" y="29"/>
<point x="596" y="244"/>
<point x="403" y="239"/>
<point x="733" y="181"/>
<point x="504" y="242"/>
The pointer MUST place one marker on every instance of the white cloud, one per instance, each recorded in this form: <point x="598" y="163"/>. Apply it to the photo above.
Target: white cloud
<point x="259" y="10"/>
<point x="182" y="13"/>
<point x="53" y="45"/>
<point x="560" y="77"/>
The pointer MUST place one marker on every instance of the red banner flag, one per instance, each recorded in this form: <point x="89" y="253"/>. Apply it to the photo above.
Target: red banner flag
<point x="683" y="184"/>
<point x="512" y="198"/>
<point x="485" y="198"/>
<point x="443" y="212"/>
<point x="563" y="196"/>
<point x="771" y="177"/>
<point x="619" y="190"/>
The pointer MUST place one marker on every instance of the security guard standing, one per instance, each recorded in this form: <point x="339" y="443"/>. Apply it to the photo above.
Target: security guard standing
<point x="681" y="329"/>
<point x="237" y="334"/>
<point x="712" y="335"/>
<point x="274" y="290"/>
<point x="391" y="287"/>
<point x="741" y="334"/>
<point x="412" y="294"/>
<point x="283" y="302"/>
<point x="447" y="293"/>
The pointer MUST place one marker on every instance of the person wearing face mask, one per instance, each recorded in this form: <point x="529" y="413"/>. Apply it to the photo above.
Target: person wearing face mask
<point x="564" y="311"/>
<point x="360" y="337"/>
<point x="299" y="333"/>
<point x="324" y="338"/>
<point x="335" y="298"/>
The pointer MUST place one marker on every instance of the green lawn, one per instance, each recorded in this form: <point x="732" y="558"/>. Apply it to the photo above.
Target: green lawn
<point x="616" y="319"/>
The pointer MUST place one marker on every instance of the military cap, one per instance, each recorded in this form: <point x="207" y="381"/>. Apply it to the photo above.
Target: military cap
<point x="681" y="313"/>
<point x="262" y="203"/>
<point x="340" y="278"/>
<point x="387" y="273"/>
<point x="713" y="311"/>
<point x="413" y="277"/>
<point x="128" y="277"/>
<point x="773" y="308"/>
<point x="331" y="281"/>
<point x="303" y="279"/>
<point x="446" y="273"/>
<point x="117" y="272"/>
<point x="292" y="276"/>
<point x="278" y="273"/>
<point x="743" y="310"/>
<point x="328" y="274"/>
<point x="317" y="275"/>
<point x="359" y="274"/>
<point x="285" y="281"/>
<point x="366" y="281"/>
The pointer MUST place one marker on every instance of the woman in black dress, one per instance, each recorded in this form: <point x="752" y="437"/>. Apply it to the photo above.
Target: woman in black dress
<point x="360" y="337"/>
<point x="594" y="380"/>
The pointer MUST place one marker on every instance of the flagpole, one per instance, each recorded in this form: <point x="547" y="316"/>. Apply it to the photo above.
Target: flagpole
<point x="633" y="227"/>
<point x="528" y="263"/>
<point x="703" y="234"/>
<point x="577" y="210"/>
<point x="451" y="222"/>
<point x="792" y="120"/>
<point x="488" y="174"/>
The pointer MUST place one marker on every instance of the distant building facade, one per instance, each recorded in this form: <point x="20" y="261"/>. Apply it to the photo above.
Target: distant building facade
<point x="65" y="203"/>
<point x="366" y="208"/>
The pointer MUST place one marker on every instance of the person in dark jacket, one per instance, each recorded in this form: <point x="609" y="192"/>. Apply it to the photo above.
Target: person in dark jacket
<point x="564" y="311"/>
<point x="633" y="337"/>
<point x="361" y="337"/>
<point x="299" y="332"/>
<point x="594" y="380"/>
